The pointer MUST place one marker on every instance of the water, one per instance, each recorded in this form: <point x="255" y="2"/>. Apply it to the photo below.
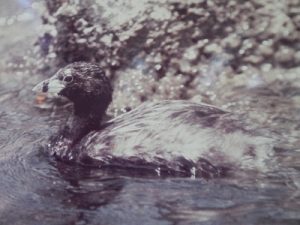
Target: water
<point x="36" y="189"/>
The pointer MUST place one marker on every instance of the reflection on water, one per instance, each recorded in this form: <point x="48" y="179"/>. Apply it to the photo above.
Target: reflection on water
<point x="35" y="189"/>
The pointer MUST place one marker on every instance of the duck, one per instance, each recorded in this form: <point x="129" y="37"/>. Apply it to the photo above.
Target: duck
<point x="168" y="137"/>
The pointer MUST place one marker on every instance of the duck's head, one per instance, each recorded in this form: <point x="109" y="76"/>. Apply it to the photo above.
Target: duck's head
<point x="85" y="84"/>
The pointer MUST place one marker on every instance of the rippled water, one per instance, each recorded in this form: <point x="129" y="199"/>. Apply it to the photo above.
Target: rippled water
<point x="35" y="189"/>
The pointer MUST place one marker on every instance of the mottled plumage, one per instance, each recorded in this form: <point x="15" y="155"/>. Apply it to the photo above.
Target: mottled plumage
<point x="171" y="136"/>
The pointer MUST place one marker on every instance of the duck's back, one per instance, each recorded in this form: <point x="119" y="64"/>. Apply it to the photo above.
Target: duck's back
<point x="171" y="132"/>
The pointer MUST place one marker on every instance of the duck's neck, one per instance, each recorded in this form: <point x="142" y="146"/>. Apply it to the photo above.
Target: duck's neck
<point x="86" y="117"/>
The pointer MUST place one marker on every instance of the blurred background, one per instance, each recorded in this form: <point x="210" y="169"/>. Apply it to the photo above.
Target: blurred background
<point x="242" y="56"/>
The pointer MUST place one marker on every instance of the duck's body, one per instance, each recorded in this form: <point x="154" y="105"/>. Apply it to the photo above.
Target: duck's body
<point x="177" y="135"/>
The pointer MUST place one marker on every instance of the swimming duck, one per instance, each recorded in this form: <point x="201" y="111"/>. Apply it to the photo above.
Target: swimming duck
<point x="172" y="136"/>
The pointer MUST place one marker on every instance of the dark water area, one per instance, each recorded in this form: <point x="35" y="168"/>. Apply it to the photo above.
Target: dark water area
<point x="35" y="189"/>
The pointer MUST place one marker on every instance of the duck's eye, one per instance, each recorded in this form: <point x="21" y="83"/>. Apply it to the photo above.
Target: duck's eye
<point x="68" y="78"/>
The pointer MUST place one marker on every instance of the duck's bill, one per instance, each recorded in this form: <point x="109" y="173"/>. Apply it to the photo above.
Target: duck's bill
<point x="50" y="86"/>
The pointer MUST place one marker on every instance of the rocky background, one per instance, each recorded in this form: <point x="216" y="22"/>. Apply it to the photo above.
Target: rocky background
<point x="240" y="55"/>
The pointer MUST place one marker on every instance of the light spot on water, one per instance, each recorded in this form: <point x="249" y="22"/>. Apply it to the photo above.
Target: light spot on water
<point x="193" y="172"/>
<point x="157" y="170"/>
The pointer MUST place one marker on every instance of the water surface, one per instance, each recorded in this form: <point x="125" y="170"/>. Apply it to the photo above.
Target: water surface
<point x="36" y="189"/>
